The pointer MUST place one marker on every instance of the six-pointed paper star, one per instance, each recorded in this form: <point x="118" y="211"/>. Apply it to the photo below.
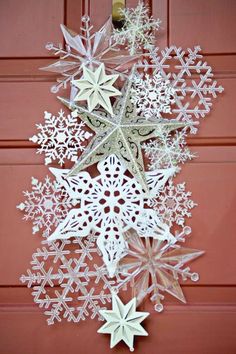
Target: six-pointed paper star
<point x="123" y="322"/>
<point x="96" y="88"/>
<point x="120" y="135"/>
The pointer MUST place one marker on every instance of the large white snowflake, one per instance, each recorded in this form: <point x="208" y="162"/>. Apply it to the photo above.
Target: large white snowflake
<point x="173" y="204"/>
<point x="110" y="204"/>
<point x="46" y="205"/>
<point x="152" y="95"/>
<point x="153" y="267"/>
<point x="68" y="281"/>
<point x="168" y="150"/>
<point x="138" y="29"/>
<point x="61" y="137"/>
<point x="190" y="77"/>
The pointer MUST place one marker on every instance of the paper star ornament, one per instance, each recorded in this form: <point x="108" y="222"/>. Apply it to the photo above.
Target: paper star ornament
<point x="96" y="88"/>
<point x="121" y="135"/>
<point x="123" y="322"/>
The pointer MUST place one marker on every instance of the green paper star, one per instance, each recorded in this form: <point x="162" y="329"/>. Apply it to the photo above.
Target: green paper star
<point x="120" y="134"/>
<point x="123" y="322"/>
<point x="96" y="88"/>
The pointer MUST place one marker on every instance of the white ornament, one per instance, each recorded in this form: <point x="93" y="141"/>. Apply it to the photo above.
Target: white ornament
<point x="110" y="204"/>
<point x="152" y="95"/>
<point x="123" y="322"/>
<point x="173" y="204"/>
<point x="46" y="205"/>
<point x="191" y="78"/>
<point x="61" y="137"/>
<point x="137" y="30"/>
<point x="96" y="88"/>
<point x="168" y="150"/>
<point x="67" y="282"/>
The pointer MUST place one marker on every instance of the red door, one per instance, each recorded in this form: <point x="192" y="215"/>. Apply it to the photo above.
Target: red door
<point x="207" y="323"/>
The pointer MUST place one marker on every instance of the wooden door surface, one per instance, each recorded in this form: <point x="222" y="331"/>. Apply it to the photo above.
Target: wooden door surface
<point x="206" y="325"/>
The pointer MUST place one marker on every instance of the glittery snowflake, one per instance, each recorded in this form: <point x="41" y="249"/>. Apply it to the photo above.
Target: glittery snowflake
<point x="61" y="137"/>
<point x="153" y="267"/>
<point x="190" y="77"/>
<point x="86" y="49"/>
<point x="138" y="29"/>
<point x="110" y="204"/>
<point x="173" y="204"/>
<point x="67" y="280"/>
<point x="46" y="205"/>
<point x="168" y="150"/>
<point x="152" y="95"/>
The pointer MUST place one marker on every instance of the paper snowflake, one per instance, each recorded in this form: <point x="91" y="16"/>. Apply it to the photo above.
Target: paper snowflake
<point x="153" y="267"/>
<point x="46" y="205"/>
<point x="61" y="137"/>
<point x="173" y="204"/>
<point x="87" y="48"/>
<point x="110" y="204"/>
<point x="96" y="88"/>
<point x="138" y="29"/>
<point x="123" y="322"/>
<point x="168" y="150"/>
<point x="67" y="282"/>
<point x="190" y="77"/>
<point x="152" y="95"/>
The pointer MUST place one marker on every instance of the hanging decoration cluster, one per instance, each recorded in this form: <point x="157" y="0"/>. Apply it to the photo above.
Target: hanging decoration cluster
<point x="122" y="223"/>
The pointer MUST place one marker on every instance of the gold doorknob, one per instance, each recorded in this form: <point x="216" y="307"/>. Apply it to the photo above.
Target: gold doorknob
<point x="117" y="16"/>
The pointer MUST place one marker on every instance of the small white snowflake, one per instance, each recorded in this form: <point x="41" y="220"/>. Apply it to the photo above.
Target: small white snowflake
<point x="137" y="30"/>
<point x="46" y="205"/>
<point x="168" y="150"/>
<point x="173" y="204"/>
<point x="61" y="137"/>
<point x="67" y="281"/>
<point x="152" y="95"/>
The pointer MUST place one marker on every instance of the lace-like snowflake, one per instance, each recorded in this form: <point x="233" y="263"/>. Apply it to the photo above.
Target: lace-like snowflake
<point x="152" y="95"/>
<point x="46" y="205"/>
<point x="61" y="137"/>
<point x="153" y="267"/>
<point x="67" y="280"/>
<point x="89" y="49"/>
<point x="168" y="150"/>
<point x="190" y="77"/>
<point x="138" y="29"/>
<point x="173" y="203"/>
<point x="110" y="204"/>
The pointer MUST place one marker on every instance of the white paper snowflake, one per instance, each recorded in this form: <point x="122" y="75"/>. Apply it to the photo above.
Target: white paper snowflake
<point x="67" y="282"/>
<point x="46" y="205"/>
<point x="110" y="204"/>
<point x="152" y="95"/>
<point x="191" y="78"/>
<point x="138" y="29"/>
<point x="173" y="204"/>
<point x="168" y="150"/>
<point x="61" y="137"/>
<point x="153" y="267"/>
